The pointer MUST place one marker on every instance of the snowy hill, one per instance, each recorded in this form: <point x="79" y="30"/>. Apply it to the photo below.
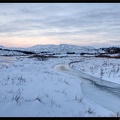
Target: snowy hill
<point x="62" y="48"/>
<point x="1" y="46"/>
<point x="10" y="51"/>
<point x="50" y="48"/>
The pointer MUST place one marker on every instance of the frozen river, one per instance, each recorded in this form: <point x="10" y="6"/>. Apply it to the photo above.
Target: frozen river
<point x="104" y="93"/>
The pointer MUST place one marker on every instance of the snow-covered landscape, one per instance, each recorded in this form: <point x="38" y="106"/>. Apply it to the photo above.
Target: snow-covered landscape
<point x="55" y="81"/>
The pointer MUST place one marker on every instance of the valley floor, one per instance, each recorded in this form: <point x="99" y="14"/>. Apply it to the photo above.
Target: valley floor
<point x="32" y="88"/>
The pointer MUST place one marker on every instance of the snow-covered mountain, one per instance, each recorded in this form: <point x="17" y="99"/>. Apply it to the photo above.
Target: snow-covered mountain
<point x="50" y="48"/>
<point x="62" y="48"/>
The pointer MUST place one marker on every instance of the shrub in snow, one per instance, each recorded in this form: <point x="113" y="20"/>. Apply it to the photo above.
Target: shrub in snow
<point x="90" y="111"/>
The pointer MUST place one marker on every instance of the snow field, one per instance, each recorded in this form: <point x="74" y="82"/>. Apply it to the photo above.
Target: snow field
<point x="30" y="87"/>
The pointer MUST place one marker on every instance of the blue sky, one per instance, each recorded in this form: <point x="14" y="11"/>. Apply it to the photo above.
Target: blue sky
<point x="86" y="24"/>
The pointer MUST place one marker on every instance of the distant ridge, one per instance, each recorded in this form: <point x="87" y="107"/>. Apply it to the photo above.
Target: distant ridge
<point x="60" y="48"/>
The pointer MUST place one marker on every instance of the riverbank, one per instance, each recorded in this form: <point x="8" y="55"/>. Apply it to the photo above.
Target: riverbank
<point x="107" y="69"/>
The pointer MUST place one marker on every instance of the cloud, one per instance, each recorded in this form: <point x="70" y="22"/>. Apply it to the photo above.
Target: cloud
<point x="71" y="21"/>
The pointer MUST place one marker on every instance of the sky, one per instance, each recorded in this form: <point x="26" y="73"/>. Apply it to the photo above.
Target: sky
<point x="84" y="24"/>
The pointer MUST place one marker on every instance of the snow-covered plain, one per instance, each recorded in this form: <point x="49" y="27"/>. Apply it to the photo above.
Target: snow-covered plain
<point x="3" y="52"/>
<point x="30" y="87"/>
<point x="33" y="88"/>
